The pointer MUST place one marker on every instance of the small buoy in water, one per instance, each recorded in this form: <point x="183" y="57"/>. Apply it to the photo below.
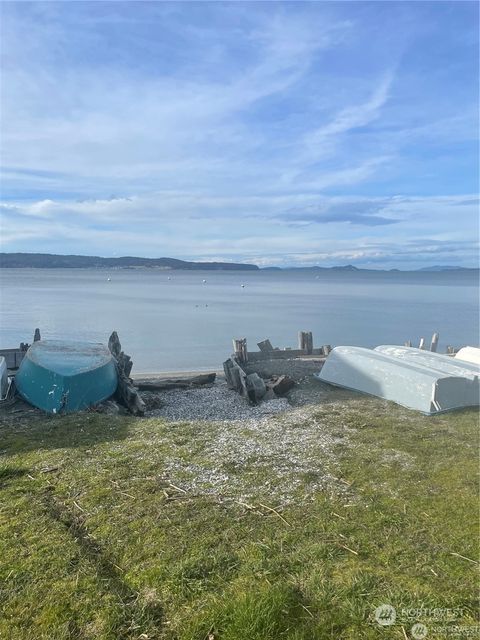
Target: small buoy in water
<point x="108" y="279"/>
<point x="243" y="286"/>
<point x="204" y="281"/>
<point x="169" y="278"/>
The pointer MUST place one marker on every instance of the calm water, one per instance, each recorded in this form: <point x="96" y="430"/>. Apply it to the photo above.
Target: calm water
<point x="183" y="323"/>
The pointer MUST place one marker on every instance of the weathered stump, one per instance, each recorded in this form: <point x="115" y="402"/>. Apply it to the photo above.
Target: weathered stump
<point x="126" y="393"/>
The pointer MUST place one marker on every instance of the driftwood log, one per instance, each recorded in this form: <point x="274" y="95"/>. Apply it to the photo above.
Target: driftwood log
<point x="126" y="394"/>
<point x="280" y="385"/>
<point x="177" y="383"/>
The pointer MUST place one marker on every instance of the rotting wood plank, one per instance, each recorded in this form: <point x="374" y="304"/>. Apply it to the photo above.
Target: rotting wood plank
<point x="255" y="356"/>
<point x="265" y="346"/>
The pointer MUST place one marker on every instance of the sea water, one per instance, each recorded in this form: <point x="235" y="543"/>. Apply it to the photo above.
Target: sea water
<point x="186" y="320"/>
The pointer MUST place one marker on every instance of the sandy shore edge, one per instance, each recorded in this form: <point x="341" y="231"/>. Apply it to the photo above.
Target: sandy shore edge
<point x="159" y="375"/>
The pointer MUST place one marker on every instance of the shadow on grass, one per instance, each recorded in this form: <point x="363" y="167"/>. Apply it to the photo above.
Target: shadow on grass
<point x="312" y="391"/>
<point x="8" y="473"/>
<point x="36" y="432"/>
<point x="107" y="571"/>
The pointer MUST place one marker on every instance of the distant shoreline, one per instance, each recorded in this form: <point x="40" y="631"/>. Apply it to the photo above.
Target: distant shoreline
<point x="56" y="261"/>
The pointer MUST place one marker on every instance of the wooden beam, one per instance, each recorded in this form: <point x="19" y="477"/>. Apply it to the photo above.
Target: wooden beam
<point x="265" y="346"/>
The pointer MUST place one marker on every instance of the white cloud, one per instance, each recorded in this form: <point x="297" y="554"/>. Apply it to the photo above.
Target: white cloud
<point x="210" y="134"/>
<point x="354" y="116"/>
<point x="255" y="229"/>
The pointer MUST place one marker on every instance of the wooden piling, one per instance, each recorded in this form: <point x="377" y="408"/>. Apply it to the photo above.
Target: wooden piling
<point x="240" y="349"/>
<point x="326" y="349"/>
<point x="434" y="343"/>
<point x="305" y="341"/>
<point x="37" y="337"/>
<point x="421" y="344"/>
<point x="408" y="343"/>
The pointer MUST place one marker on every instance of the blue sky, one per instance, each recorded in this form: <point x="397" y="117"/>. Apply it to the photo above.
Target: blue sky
<point x="276" y="133"/>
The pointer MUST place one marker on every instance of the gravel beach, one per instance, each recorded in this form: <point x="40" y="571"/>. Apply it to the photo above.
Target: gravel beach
<point x="241" y="451"/>
<point x="213" y="403"/>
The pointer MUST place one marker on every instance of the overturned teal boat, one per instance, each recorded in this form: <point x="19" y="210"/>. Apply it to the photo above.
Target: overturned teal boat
<point x="63" y="377"/>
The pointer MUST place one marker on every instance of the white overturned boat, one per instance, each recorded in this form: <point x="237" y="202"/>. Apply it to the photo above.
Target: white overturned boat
<point x="424" y="381"/>
<point x="442" y="363"/>
<point x="469" y="354"/>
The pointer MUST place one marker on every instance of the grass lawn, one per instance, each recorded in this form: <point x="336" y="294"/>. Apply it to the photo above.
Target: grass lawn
<point x="105" y="535"/>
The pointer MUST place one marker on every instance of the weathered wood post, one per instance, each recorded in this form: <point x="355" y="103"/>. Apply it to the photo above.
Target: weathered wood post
<point x="408" y="343"/>
<point x="301" y="340"/>
<point x="310" y="342"/>
<point x="305" y="341"/>
<point x="326" y="349"/>
<point x="240" y="349"/>
<point x="37" y="337"/>
<point x="450" y="350"/>
<point x="421" y="344"/>
<point x="434" y="343"/>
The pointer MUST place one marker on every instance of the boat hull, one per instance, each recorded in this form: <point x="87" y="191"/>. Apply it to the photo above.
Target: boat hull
<point x="63" y="377"/>
<point x="469" y="354"/>
<point x="438" y="361"/>
<point x="411" y="384"/>
<point x="3" y="377"/>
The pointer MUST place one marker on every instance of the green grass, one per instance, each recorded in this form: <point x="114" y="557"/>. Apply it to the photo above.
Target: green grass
<point x="96" y="543"/>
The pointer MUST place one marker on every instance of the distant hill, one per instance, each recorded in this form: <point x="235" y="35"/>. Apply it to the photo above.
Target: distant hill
<point x="347" y="267"/>
<point x="352" y="269"/>
<point x="445" y="268"/>
<point x="52" y="261"/>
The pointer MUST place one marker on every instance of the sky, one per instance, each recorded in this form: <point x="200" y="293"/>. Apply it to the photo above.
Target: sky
<point x="286" y="134"/>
